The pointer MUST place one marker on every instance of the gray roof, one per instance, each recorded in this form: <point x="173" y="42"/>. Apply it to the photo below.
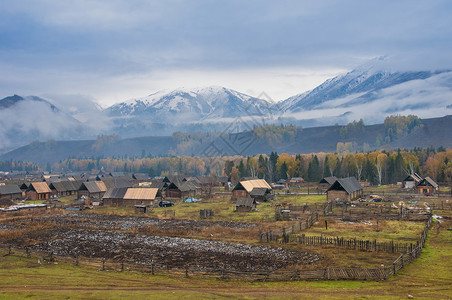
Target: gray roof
<point x="349" y="184"/>
<point x="112" y="183"/>
<point x="245" y="202"/>
<point x="116" y="193"/>
<point x="258" y="192"/>
<point x="428" y="181"/>
<point x="9" y="189"/>
<point x="329" y="180"/>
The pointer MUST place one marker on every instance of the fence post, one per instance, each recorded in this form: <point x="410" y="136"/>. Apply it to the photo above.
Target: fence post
<point x="103" y="264"/>
<point x="186" y="271"/>
<point x="393" y="268"/>
<point x="152" y="268"/>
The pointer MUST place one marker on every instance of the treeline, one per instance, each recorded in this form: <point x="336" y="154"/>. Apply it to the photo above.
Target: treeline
<point x="377" y="167"/>
<point x="275" y="134"/>
<point x="9" y="165"/>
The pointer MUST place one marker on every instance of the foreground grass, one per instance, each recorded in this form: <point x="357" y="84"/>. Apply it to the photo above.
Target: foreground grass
<point x="428" y="277"/>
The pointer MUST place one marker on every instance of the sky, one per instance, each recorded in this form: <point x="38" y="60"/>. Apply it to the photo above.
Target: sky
<point x="110" y="51"/>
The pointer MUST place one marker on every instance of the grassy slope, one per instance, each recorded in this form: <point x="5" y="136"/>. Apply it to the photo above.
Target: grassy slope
<point x="429" y="276"/>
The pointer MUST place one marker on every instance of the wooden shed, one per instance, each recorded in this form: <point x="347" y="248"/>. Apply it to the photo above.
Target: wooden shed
<point x="245" y="204"/>
<point x="38" y="191"/>
<point x="345" y="189"/>
<point x="244" y="188"/>
<point x="10" y="191"/>
<point x="141" y="196"/>
<point x="427" y="185"/>
<point x="92" y="189"/>
<point x="114" y="197"/>
<point x="411" y="181"/>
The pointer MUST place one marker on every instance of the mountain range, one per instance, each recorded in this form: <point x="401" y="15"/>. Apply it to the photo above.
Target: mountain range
<point x="371" y="91"/>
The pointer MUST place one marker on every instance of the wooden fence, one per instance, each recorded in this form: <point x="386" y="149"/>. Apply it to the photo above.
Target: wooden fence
<point x="362" y="245"/>
<point x="284" y="232"/>
<point x="328" y="273"/>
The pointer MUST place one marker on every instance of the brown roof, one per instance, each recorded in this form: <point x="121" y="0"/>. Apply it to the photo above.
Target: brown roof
<point x="249" y="185"/>
<point x="141" y="194"/>
<point x="41" y="187"/>
<point x="101" y="186"/>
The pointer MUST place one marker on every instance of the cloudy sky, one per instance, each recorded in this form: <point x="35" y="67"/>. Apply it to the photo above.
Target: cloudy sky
<point x="114" y="50"/>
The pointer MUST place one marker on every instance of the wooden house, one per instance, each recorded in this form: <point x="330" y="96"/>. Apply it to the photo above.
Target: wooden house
<point x="64" y="188"/>
<point x="245" y="204"/>
<point x="411" y="181"/>
<point x="10" y="191"/>
<point x="295" y="182"/>
<point x="92" y="189"/>
<point x="344" y="189"/>
<point x="141" y="196"/>
<point x="38" y="191"/>
<point x="427" y="186"/>
<point x="244" y="188"/>
<point x="114" y="197"/>
<point x="132" y="197"/>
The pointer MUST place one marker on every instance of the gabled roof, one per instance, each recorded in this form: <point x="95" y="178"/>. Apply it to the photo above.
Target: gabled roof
<point x="159" y="185"/>
<point x="9" y="189"/>
<point x="188" y="186"/>
<point x="329" y="180"/>
<point x="428" y="181"/>
<point x="141" y="194"/>
<point x="95" y="186"/>
<point x="40" y="187"/>
<point x="248" y="202"/>
<point x="349" y="184"/>
<point x="116" y="193"/>
<point x="140" y="176"/>
<point x="413" y="177"/>
<point x="258" y="192"/>
<point x="112" y="183"/>
<point x="249" y="185"/>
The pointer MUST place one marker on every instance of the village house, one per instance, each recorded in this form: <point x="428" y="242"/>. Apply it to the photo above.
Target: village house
<point x="38" y="191"/>
<point x="411" y="181"/>
<point x="92" y="189"/>
<point x="345" y="189"/>
<point x="245" y="204"/>
<point x="244" y="188"/>
<point x="141" y="196"/>
<point x="295" y="182"/>
<point x="427" y="186"/>
<point x="132" y="197"/>
<point x="10" y="191"/>
<point x="114" y="197"/>
<point x="64" y="188"/>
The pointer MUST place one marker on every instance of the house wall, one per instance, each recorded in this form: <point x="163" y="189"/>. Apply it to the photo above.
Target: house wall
<point x="243" y="208"/>
<point x="425" y="189"/>
<point x="239" y="194"/>
<point x="12" y="196"/>
<point x="173" y="193"/>
<point x="334" y="194"/>
<point x="33" y="195"/>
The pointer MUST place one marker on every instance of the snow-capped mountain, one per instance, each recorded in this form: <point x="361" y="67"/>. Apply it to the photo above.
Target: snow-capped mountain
<point x="373" y="91"/>
<point x="191" y="105"/>
<point x="363" y="83"/>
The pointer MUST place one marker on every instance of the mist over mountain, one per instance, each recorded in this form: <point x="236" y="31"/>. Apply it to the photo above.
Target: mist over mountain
<point x="371" y="91"/>
<point x="25" y="119"/>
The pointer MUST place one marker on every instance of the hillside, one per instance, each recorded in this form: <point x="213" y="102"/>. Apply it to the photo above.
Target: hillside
<point x="432" y="132"/>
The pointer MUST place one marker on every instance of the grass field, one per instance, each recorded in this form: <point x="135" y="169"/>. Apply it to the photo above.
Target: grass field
<point x="428" y="277"/>
<point x="397" y="231"/>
